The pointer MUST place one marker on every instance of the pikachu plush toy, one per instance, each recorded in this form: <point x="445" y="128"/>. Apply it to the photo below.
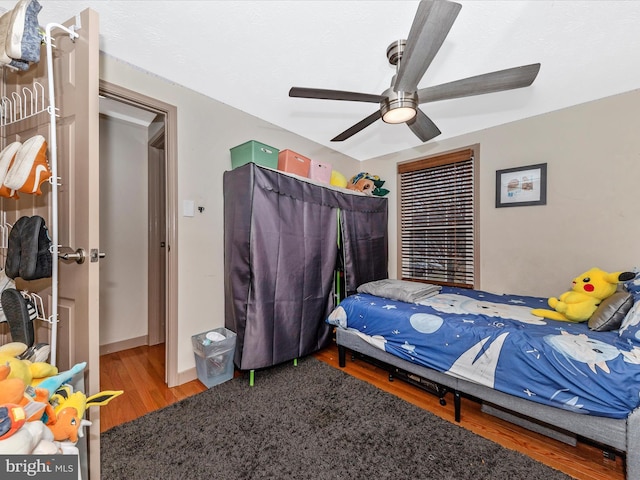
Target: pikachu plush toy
<point x="588" y="290"/>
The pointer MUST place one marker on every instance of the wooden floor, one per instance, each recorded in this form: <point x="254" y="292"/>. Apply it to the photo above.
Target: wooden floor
<point x="140" y="373"/>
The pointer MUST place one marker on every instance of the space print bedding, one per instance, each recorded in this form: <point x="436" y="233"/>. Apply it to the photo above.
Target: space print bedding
<point x="495" y="341"/>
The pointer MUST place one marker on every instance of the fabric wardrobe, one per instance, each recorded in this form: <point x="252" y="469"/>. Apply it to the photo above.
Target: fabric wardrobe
<point x="282" y="239"/>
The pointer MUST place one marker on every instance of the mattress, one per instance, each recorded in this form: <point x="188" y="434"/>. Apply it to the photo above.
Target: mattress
<point x="494" y="340"/>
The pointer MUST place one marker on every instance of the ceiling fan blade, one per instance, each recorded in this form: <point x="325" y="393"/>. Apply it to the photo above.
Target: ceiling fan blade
<point x="508" y="79"/>
<point x="361" y="125"/>
<point x="334" y="95"/>
<point x="423" y="126"/>
<point x="430" y="27"/>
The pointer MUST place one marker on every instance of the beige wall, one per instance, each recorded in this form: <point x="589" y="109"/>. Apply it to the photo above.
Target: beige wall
<point x="207" y="129"/>
<point x="592" y="153"/>
<point x="123" y="230"/>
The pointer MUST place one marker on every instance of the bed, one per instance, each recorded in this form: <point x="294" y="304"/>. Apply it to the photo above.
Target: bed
<point x="561" y="377"/>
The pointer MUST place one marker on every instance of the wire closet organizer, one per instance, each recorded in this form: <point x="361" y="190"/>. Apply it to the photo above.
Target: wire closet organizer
<point x="19" y="106"/>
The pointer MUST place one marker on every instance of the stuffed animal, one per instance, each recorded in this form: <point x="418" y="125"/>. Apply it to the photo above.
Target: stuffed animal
<point x="31" y="438"/>
<point x="12" y="418"/>
<point x="338" y="179"/>
<point x="588" y="290"/>
<point x="24" y="369"/>
<point x="367" y="183"/>
<point x="54" y="382"/>
<point x="16" y="375"/>
<point x="21" y="431"/>
<point x="11" y="389"/>
<point x="70" y="410"/>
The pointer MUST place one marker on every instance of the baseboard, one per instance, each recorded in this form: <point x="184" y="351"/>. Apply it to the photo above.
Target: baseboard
<point x="187" y="376"/>
<point x="123" y="345"/>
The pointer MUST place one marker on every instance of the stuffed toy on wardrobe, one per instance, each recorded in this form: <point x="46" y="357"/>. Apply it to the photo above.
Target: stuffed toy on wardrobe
<point x="366" y="183"/>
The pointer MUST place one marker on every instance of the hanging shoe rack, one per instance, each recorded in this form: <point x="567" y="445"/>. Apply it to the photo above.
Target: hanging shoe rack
<point x="22" y="105"/>
<point x="18" y="107"/>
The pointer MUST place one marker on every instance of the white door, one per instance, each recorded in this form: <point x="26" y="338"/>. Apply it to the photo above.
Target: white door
<point x="76" y="74"/>
<point x="77" y="87"/>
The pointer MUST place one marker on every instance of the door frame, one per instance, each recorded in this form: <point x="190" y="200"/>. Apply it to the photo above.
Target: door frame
<point x="133" y="98"/>
<point x="156" y="321"/>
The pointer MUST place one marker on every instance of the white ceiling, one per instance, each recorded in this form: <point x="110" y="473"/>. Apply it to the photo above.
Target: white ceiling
<point x="248" y="54"/>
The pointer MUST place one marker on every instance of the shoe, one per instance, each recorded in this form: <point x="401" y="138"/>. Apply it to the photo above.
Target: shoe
<point x="28" y="250"/>
<point x="36" y="353"/>
<point x="30" y="168"/>
<point x="7" y="157"/>
<point x="14" y="248"/>
<point x="5" y="59"/>
<point x="23" y="40"/>
<point x="20" y="314"/>
<point x="35" y="257"/>
<point x="5" y="282"/>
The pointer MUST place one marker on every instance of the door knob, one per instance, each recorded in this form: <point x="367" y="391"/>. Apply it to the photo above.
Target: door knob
<point x="78" y="256"/>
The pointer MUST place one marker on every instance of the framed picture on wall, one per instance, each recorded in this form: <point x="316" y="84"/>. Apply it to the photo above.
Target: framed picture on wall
<point x="521" y="186"/>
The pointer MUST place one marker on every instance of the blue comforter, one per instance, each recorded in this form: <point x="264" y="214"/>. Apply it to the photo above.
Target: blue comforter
<point x="495" y="341"/>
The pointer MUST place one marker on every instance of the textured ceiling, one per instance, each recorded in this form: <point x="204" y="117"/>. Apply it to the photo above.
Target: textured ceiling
<point x="248" y="54"/>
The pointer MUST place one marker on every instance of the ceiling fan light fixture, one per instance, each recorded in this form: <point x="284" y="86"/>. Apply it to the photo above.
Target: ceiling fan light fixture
<point x="399" y="115"/>
<point x="398" y="107"/>
<point x="412" y="57"/>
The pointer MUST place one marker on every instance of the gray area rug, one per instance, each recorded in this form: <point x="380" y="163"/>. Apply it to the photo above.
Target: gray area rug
<point x="310" y="421"/>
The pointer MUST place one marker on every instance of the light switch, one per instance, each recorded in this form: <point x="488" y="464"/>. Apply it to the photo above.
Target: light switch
<point x="188" y="208"/>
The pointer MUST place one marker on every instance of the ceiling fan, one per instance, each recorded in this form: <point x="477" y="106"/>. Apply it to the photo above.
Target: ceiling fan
<point x="411" y="57"/>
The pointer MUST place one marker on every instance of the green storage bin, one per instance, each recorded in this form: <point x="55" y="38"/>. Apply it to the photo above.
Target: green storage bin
<point x="256" y="152"/>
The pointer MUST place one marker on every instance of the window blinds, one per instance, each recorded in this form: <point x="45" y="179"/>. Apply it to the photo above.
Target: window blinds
<point x="437" y="215"/>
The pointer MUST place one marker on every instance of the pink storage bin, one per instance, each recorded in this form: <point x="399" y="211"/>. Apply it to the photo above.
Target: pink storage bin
<point x="320" y="171"/>
<point x="292" y="162"/>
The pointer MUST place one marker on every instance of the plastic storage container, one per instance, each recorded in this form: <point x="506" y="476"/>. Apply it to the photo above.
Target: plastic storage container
<point x="214" y="351"/>
<point x="320" y="171"/>
<point x="256" y="152"/>
<point x="292" y="162"/>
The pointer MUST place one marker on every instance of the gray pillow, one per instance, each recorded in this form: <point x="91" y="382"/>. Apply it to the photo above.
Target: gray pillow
<point x="403" y="290"/>
<point x="611" y="312"/>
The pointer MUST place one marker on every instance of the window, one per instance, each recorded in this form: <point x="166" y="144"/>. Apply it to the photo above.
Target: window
<point x="437" y="219"/>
